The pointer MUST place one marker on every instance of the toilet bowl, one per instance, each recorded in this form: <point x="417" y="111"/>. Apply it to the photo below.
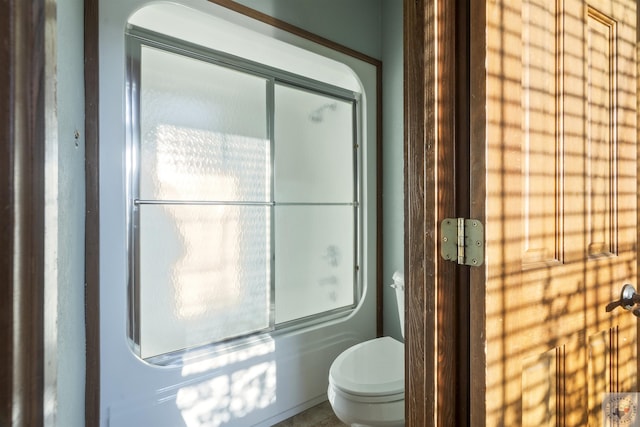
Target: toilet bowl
<point x="366" y="381"/>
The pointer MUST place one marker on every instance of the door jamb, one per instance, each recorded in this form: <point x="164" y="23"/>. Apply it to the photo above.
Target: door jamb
<point x="477" y="137"/>
<point x="92" y="212"/>
<point x="436" y="186"/>
<point x="22" y="117"/>
<point x="419" y="212"/>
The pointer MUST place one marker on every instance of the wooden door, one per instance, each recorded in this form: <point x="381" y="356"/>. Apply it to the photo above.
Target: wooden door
<point x="555" y="179"/>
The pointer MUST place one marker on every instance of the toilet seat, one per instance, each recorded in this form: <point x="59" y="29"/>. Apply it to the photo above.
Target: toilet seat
<point x="372" y="371"/>
<point x="387" y="398"/>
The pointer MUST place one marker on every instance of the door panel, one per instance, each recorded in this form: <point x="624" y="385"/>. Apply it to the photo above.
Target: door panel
<point x="560" y="210"/>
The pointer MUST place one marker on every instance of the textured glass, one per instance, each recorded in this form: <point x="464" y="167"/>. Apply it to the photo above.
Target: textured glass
<point x="314" y="137"/>
<point x="203" y="131"/>
<point x="314" y="267"/>
<point x="204" y="274"/>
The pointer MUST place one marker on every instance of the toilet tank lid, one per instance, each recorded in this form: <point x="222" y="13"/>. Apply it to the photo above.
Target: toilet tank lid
<point x="371" y="368"/>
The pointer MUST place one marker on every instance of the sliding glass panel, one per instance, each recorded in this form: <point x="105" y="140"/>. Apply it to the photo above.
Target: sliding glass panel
<point x="204" y="274"/>
<point x="314" y="266"/>
<point x="216" y="254"/>
<point x="314" y="156"/>
<point x="203" y="131"/>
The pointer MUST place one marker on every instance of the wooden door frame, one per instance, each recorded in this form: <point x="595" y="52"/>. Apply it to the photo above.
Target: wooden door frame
<point x="92" y="212"/>
<point x="477" y="137"/>
<point x="22" y="220"/>
<point x="437" y="167"/>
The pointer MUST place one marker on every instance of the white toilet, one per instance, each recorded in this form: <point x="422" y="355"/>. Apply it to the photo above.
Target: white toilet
<point x="366" y="381"/>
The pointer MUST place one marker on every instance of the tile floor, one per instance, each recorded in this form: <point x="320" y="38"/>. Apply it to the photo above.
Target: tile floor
<point x="319" y="416"/>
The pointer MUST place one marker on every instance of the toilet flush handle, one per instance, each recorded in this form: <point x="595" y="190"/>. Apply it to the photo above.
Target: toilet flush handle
<point x="398" y="280"/>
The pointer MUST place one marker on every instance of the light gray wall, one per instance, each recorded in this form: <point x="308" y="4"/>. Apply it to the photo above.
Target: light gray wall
<point x="352" y="23"/>
<point x="393" y="158"/>
<point x="65" y="206"/>
<point x="71" y="208"/>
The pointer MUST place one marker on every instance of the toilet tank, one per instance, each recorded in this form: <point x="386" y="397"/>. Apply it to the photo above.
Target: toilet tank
<point x="398" y="285"/>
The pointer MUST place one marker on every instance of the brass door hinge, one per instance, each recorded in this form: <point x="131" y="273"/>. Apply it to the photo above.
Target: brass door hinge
<point x="462" y="241"/>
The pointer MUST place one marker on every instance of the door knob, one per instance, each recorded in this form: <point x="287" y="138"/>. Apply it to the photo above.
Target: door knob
<point x="628" y="299"/>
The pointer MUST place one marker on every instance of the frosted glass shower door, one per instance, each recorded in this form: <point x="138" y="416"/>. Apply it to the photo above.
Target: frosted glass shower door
<point x="201" y="204"/>
<point x="315" y="214"/>
<point x="244" y="198"/>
